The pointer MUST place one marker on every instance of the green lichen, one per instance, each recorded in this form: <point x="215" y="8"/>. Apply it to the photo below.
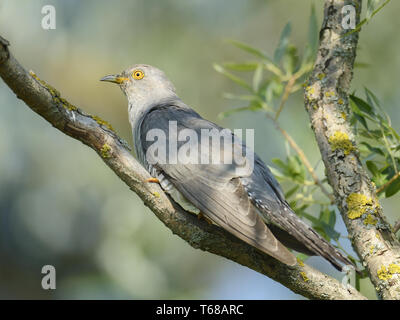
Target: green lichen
<point x="340" y="101"/>
<point x="387" y="273"/>
<point x="357" y="205"/>
<point x="105" y="151"/>
<point x="340" y="140"/>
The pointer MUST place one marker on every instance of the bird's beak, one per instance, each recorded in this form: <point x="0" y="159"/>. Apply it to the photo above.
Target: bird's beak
<point x="114" y="78"/>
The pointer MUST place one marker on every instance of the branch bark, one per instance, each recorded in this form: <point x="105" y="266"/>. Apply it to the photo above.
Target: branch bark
<point x="98" y="135"/>
<point x="327" y="102"/>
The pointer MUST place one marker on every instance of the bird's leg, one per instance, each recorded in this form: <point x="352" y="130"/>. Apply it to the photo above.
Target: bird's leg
<point x="153" y="180"/>
<point x="201" y="216"/>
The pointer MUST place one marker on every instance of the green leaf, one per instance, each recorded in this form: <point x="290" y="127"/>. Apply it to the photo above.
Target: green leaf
<point x="371" y="5"/>
<point x="371" y="98"/>
<point x="289" y="193"/>
<point x="328" y="216"/>
<point x="279" y="163"/>
<point x="283" y="43"/>
<point x="393" y="188"/>
<point x="277" y="174"/>
<point x="253" y="106"/>
<point x="363" y="105"/>
<point x="290" y="59"/>
<point x="258" y="74"/>
<point x="273" y="90"/>
<point x="245" y="66"/>
<point x="325" y="228"/>
<point x="331" y="232"/>
<point x="372" y="168"/>
<point x="251" y="50"/>
<point x="377" y="177"/>
<point x="361" y="119"/>
<point x="232" y="77"/>
<point x="372" y="149"/>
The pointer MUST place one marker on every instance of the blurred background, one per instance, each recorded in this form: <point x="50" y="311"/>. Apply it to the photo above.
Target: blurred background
<point x="61" y="205"/>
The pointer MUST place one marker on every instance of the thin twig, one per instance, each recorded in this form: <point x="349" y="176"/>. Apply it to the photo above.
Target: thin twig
<point x="303" y="159"/>
<point x="387" y="184"/>
<point x="285" y="96"/>
<point x="396" y="227"/>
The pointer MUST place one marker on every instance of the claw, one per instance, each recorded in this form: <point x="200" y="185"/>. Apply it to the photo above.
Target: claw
<point x="153" y="180"/>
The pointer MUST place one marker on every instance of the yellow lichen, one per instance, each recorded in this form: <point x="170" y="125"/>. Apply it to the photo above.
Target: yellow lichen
<point x="329" y="94"/>
<point x="340" y="140"/>
<point x="394" y="268"/>
<point x="321" y="76"/>
<point x="300" y="262"/>
<point x="102" y="122"/>
<point x="357" y="205"/>
<point x="105" y="151"/>
<point x="387" y="273"/>
<point x="383" y="273"/>
<point x="340" y="101"/>
<point x="378" y="236"/>
<point x="59" y="100"/>
<point x="156" y="194"/>
<point x="304" y="276"/>
<point x="310" y="90"/>
<point x="370" y="220"/>
<point x="344" y="116"/>
<point x="54" y="93"/>
<point x="371" y="249"/>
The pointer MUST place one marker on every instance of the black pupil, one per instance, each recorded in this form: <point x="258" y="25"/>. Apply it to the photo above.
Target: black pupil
<point x="138" y="74"/>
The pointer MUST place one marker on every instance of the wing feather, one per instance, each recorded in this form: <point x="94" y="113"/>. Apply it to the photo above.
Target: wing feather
<point x="215" y="189"/>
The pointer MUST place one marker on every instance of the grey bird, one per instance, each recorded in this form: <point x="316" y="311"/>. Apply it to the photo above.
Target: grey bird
<point x="248" y="203"/>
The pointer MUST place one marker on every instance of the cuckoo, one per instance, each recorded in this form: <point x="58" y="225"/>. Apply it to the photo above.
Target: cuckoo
<point x="246" y="200"/>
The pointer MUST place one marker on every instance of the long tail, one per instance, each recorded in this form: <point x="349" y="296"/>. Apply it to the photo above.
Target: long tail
<point x="307" y="237"/>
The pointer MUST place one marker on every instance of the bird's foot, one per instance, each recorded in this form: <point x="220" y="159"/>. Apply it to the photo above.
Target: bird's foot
<point x="201" y="216"/>
<point x="153" y="180"/>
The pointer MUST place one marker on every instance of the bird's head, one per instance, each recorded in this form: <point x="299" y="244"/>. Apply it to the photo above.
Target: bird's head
<point x="143" y="84"/>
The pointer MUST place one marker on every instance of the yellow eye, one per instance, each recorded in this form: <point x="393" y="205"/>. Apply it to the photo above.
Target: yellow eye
<point x="137" y="74"/>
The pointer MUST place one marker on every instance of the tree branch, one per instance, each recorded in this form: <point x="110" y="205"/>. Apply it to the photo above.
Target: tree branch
<point x="98" y="135"/>
<point x="327" y="102"/>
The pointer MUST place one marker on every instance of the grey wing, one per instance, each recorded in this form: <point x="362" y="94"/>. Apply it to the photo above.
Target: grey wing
<point x="284" y="221"/>
<point x="215" y="189"/>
